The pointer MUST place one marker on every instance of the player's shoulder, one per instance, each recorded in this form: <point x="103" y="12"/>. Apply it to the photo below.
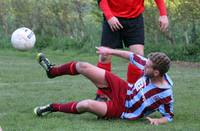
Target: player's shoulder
<point x="168" y="80"/>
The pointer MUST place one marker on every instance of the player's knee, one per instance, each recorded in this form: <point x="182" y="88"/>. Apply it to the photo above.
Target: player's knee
<point x="140" y="52"/>
<point x="85" y="105"/>
<point x="82" y="66"/>
<point x="137" y="49"/>
<point x="105" y="58"/>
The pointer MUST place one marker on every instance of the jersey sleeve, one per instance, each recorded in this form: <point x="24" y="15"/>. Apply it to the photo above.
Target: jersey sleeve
<point x="161" y="7"/>
<point x="166" y="111"/>
<point x="103" y="5"/>
<point x="138" y="60"/>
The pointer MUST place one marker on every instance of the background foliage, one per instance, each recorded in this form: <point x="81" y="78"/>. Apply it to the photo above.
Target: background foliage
<point x="64" y="24"/>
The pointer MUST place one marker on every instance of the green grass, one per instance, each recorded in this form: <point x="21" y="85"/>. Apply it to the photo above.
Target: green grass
<point x="24" y="85"/>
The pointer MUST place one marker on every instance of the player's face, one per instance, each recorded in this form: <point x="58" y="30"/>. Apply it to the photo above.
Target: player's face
<point x="148" y="69"/>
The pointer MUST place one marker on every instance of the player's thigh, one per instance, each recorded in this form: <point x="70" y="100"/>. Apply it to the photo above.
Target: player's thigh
<point x="96" y="107"/>
<point x="133" y="35"/>
<point x="109" y="38"/>
<point x="93" y="73"/>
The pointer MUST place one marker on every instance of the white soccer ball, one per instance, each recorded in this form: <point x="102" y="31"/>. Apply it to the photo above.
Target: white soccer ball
<point x="23" y="38"/>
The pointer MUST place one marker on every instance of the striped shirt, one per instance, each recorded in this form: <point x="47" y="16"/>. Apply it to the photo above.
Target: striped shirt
<point x="145" y="97"/>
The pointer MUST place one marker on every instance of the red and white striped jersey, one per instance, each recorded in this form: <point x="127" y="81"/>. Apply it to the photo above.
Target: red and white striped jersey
<point x="144" y="97"/>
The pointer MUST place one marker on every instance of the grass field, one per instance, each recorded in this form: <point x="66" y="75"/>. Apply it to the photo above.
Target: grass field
<point x="24" y="85"/>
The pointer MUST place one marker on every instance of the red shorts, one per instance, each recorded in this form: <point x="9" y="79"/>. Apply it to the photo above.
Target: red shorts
<point x="116" y="91"/>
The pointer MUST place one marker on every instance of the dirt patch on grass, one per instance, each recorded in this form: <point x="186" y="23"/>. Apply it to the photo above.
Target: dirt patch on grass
<point x="187" y="64"/>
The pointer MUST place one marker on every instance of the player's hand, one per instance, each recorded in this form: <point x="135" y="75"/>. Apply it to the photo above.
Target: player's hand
<point x="103" y="50"/>
<point x="164" y="23"/>
<point x="153" y="121"/>
<point x="114" y="24"/>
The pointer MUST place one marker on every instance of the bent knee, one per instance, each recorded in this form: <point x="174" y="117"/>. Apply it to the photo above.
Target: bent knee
<point x="82" y="66"/>
<point x="137" y="49"/>
<point x="85" y="105"/>
<point x="105" y="58"/>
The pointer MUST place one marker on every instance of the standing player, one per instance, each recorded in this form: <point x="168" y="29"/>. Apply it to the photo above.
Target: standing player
<point x="152" y="92"/>
<point x="123" y="23"/>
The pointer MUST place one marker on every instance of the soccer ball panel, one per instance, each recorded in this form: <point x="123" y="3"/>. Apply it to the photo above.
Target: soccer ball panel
<point x="23" y="39"/>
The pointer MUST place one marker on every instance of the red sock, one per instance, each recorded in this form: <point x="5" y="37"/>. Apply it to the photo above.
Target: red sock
<point x="99" y="92"/>
<point x="66" y="108"/>
<point x="64" y="69"/>
<point x="133" y="73"/>
<point x="107" y="67"/>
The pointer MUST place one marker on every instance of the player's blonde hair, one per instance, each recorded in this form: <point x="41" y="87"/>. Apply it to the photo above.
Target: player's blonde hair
<point x="160" y="61"/>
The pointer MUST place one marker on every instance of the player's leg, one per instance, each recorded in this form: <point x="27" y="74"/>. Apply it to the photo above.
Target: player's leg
<point x="109" y="39"/>
<point x="92" y="106"/>
<point x="134" y="39"/>
<point x="111" y="109"/>
<point x="93" y="73"/>
<point x="133" y="72"/>
<point x="96" y="107"/>
<point x="103" y="63"/>
<point x="137" y="48"/>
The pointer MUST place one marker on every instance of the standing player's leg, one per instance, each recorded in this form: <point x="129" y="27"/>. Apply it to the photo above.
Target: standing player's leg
<point x="103" y="63"/>
<point x="134" y="39"/>
<point x="137" y="48"/>
<point x="133" y="72"/>
<point x="112" y="40"/>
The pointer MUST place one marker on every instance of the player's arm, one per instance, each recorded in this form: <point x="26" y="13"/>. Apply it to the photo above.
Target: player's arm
<point x="157" y="121"/>
<point x="166" y="111"/>
<point x="163" y="19"/>
<point x="103" y="5"/>
<point x="135" y="59"/>
<point x="108" y="51"/>
<point x="111" y="19"/>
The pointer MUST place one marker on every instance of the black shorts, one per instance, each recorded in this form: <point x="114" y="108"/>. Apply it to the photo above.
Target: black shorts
<point x="132" y="33"/>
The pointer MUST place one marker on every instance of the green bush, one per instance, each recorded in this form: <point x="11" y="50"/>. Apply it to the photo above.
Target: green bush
<point x="55" y="43"/>
<point x="5" y="41"/>
<point x="191" y="50"/>
<point x="176" y="52"/>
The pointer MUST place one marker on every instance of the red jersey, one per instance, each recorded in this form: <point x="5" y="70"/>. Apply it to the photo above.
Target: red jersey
<point x="127" y="8"/>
